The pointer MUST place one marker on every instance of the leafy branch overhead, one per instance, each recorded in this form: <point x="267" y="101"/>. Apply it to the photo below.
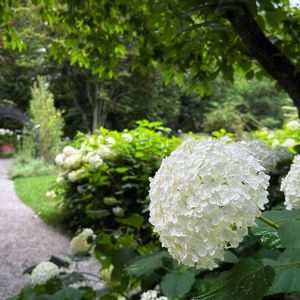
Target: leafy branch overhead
<point x="199" y="39"/>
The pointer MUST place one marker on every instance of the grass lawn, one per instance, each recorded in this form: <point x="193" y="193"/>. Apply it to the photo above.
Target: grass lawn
<point x="32" y="191"/>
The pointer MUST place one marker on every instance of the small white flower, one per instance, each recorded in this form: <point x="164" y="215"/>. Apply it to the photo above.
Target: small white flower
<point x="127" y="137"/>
<point x="118" y="211"/>
<point x="95" y="161"/>
<point x="51" y="194"/>
<point x="293" y="125"/>
<point x="69" y="150"/>
<point x="59" y="159"/>
<point x="289" y="143"/>
<point x="290" y="185"/>
<point x="110" y="140"/>
<point x="204" y="197"/>
<point x="152" y="295"/>
<point x="104" y="151"/>
<point x="82" y="242"/>
<point x="60" y="180"/>
<point x="74" y="175"/>
<point x="73" y="161"/>
<point x="43" y="272"/>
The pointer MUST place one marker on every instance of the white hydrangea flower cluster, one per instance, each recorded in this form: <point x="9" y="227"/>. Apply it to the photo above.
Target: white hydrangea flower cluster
<point x="4" y="131"/>
<point x="289" y="143"/>
<point x="127" y="137"/>
<point x="293" y="125"/>
<point x="263" y="153"/>
<point x="43" y="272"/>
<point x="82" y="241"/>
<point x="152" y="295"/>
<point x="290" y="185"/>
<point x="204" y="197"/>
<point x="70" y="158"/>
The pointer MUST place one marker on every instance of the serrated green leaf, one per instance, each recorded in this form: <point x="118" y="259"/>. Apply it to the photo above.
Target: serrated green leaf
<point x="286" y="280"/>
<point x="176" y="284"/>
<point x="247" y="280"/>
<point x="67" y="293"/>
<point x="143" y="265"/>
<point x="121" y="257"/>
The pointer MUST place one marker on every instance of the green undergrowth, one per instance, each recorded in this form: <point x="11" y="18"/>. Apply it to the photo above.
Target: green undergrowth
<point x="32" y="191"/>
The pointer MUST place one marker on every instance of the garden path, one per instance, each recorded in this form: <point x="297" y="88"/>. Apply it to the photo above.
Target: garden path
<point x="24" y="239"/>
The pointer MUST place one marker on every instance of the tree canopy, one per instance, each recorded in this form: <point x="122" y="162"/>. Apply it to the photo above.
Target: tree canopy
<point x="194" y="39"/>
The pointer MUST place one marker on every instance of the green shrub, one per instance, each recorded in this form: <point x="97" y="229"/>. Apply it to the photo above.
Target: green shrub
<point x="288" y="136"/>
<point x="46" y="122"/>
<point x="104" y="183"/>
<point x="111" y="165"/>
<point x="25" y="165"/>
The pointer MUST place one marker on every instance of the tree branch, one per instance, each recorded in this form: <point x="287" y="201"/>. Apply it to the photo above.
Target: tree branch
<point x="267" y="54"/>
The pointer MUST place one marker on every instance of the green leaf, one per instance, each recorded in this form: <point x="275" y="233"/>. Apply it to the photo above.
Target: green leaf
<point x="59" y="262"/>
<point x="67" y="293"/>
<point x="178" y="283"/>
<point x="27" y="293"/>
<point x="230" y="257"/>
<point x="97" y="213"/>
<point x="247" y="280"/>
<point x="121" y="170"/>
<point x="143" y="265"/>
<point x="121" y="257"/>
<point x="135" y="221"/>
<point x="267" y="237"/>
<point x="286" y="280"/>
<point x="289" y="234"/>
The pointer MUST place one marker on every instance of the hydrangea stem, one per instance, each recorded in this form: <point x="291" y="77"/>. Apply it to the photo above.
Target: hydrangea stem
<point x="269" y="222"/>
<point x="290" y="265"/>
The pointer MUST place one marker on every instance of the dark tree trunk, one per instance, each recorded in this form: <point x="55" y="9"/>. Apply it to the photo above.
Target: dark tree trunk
<point x="268" y="55"/>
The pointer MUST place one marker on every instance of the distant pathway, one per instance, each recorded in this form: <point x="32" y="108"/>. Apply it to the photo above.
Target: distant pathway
<point x="24" y="239"/>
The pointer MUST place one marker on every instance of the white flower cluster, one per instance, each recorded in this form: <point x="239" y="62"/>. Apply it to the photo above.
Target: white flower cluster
<point x="290" y="185"/>
<point x="70" y="158"/>
<point x="82" y="241"/>
<point x="204" y="197"/>
<point x="293" y="125"/>
<point x="152" y="295"/>
<point x="263" y="153"/>
<point x="43" y="272"/>
<point x="4" y="131"/>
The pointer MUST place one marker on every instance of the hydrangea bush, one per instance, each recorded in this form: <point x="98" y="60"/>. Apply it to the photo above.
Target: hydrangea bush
<point x="288" y="136"/>
<point x="207" y="198"/>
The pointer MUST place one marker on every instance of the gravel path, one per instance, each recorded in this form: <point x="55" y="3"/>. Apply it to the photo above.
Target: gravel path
<point x="24" y="239"/>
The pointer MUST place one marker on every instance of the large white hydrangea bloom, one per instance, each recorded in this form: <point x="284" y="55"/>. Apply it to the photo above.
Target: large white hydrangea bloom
<point x="204" y="197"/>
<point x="290" y="185"/>
<point x="82" y="241"/>
<point x="152" y="295"/>
<point x="263" y="153"/>
<point x="43" y="272"/>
